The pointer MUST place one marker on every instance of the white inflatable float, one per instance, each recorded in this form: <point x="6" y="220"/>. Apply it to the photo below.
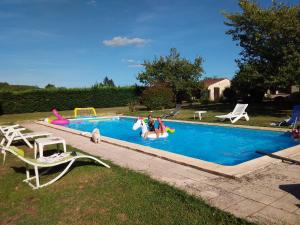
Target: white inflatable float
<point x="141" y="124"/>
<point x="153" y="136"/>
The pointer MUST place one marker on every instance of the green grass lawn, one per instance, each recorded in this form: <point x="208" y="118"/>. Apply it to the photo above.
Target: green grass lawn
<point x="91" y="194"/>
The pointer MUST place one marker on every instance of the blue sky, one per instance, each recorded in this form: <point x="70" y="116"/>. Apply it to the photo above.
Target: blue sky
<point x="74" y="43"/>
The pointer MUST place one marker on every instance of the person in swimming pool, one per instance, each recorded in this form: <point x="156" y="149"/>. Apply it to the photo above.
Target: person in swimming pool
<point x="161" y="125"/>
<point x="151" y="126"/>
<point x="296" y="132"/>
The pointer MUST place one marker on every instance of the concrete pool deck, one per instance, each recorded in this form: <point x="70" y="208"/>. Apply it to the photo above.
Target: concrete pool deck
<point x="267" y="195"/>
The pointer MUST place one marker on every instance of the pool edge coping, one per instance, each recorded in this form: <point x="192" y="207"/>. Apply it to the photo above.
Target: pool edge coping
<point x="235" y="171"/>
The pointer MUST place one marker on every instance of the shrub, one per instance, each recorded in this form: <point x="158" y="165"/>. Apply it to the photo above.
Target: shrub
<point x="64" y="99"/>
<point x="158" y="97"/>
<point x="204" y="97"/>
<point x="255" y="95"/>
<point x="294" y="98"/>
<point x="279" y="101"/>
<point x="132" y="105"/>
<point x="229" y="94"/>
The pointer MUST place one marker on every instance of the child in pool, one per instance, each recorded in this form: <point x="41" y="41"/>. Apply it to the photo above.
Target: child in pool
<point x="296" y="132"/>
<point x="151" y="126"/>
<point x="161" y="126"/>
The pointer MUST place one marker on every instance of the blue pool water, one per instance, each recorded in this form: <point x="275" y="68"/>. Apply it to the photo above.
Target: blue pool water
<point x="222" y="145"/>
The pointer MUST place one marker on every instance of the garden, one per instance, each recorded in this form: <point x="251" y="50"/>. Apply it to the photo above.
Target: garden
<point x="89" y="194"/>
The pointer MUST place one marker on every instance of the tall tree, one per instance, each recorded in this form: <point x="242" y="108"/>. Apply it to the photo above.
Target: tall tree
<point x="270" y="41"/>
<point x="108" y="82"/>
<point x="50" y="86"/>
<point x="105" y="83"/>
<point x="180" y="74"/>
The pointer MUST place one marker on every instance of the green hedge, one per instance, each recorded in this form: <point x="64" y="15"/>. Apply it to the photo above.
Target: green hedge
<point x="158" y="97"/>
<point x="64" y="99"/>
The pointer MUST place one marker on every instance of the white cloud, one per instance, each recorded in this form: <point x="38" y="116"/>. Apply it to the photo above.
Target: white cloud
<point x="135" y="65"/>
<point x="92" y="2"/>
<point x="128" y="60"/>
<point x="122" y="41"/>
<point x="132" y="63"/>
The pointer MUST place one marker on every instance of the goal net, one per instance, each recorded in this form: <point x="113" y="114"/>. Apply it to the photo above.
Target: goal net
<point x="85" y="112"/>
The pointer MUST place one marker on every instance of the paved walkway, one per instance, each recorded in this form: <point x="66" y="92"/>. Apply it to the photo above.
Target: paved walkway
<point x="270" y="195"/>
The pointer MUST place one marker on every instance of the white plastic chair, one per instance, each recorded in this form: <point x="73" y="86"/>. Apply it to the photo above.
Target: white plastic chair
<point x="237" y="113"/>
<point x="14" y="134"/>
<point x="5" y="128"/>
<point x="46" y="162"/>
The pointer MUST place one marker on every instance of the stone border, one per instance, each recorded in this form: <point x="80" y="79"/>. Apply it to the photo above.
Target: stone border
<point x="236" y="171"/>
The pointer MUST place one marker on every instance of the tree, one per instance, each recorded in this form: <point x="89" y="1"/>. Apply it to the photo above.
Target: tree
<point x="6" y="87"/>
<point x="105" y="83"/>
<point x="229" y="94"/>
<point x="249" y="83"/>
<point x="4" y="84"/>
<point x="270" y="41"/>
<point x="108" y="82"/>
<point x="158" y="97"/>
<point x="50" y="86"/>
<point x="180" y="74"/>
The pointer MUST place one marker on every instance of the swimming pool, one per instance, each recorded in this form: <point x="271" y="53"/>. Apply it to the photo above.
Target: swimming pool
<point x="222" y="145"/>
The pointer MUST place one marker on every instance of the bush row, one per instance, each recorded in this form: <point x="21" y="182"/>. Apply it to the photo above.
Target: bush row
<point x="64" y="99"/>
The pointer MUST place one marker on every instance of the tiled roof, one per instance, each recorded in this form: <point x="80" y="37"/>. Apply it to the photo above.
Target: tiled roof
<point x="209" y="81"/>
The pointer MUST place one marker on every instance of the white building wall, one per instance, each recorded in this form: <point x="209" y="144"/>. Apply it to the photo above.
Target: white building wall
<point x="221" y="84"/>
<point x="295" y="88"/>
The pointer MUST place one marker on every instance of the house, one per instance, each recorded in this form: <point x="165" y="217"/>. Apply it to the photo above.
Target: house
<point x="274" y="94"/>
<point x="295" y="88"/>
<point x="215" y="87"/>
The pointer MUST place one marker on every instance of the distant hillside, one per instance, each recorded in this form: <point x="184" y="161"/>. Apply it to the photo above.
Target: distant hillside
<point x="16" y="88"/>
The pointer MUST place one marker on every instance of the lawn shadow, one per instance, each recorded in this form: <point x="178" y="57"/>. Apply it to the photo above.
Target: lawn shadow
<point x="56" y="169"/>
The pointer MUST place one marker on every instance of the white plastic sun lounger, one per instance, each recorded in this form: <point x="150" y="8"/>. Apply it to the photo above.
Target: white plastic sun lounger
<point x="46" y="162"/>
<point x="15" y="134"/>
<point x="237" y="113"/>
<point x="5" y="128"/>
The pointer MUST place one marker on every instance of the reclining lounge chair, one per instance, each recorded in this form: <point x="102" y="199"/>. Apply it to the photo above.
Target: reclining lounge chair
<point x="46" y="162"/>
<point x="292" y="120"/>
<point x="5" y="128"/>
<point x="15" y="134"/>
<point x="237" y="113"/>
